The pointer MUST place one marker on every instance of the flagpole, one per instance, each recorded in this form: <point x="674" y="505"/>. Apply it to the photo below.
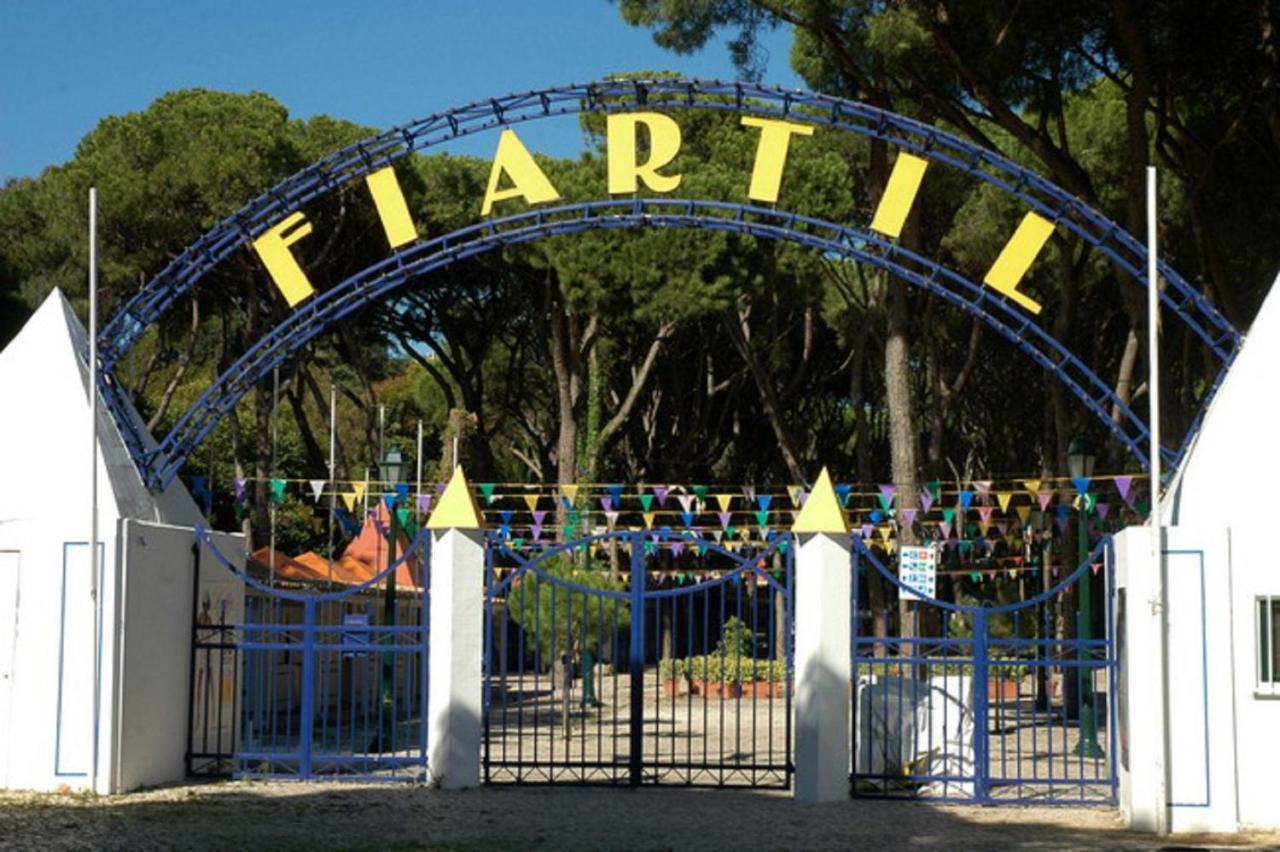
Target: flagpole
<point x="275" y="400"/>
<point x="418" y="506"/>
<point x="93" y="475"/>
<point x="1158" y="720"/>
<point x="333" y="470"/>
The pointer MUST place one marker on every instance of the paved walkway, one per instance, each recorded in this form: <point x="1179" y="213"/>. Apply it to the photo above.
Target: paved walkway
<point x="239" y="815"/>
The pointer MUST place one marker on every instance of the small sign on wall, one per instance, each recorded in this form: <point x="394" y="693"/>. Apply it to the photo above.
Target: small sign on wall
<point x="918" y="571"/>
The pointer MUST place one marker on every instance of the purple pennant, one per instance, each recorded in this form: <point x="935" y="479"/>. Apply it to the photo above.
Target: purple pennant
<point x="424" y="502"/>
<point x="724" y="518"/>
<point x="1124" y="484"/>
<point x="867" y="530"/>
<point x="536" y="529"/>
<point x="539" y="515"/>
<point x="804" y="498"/>
<point x="909" y="516"/>
<point x="677" y="547"/>
<point x="926" y="499"/>
<point x="888" y="492"/>
<point x="440" y="487"/>
<point x="1102" y="509"/>
<point x="238" y="485"/>
<point x="661" y="491"/>
<point x="606" y="503"/>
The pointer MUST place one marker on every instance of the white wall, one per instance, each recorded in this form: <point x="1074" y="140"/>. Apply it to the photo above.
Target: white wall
<point x="159" y="567"/>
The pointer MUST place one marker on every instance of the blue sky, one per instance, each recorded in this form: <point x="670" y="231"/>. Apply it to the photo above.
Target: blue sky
<point x="64" y="64"/>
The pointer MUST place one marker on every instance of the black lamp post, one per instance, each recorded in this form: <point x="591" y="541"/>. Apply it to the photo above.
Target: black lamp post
<point x="390" y="469"/>
<point x="1080" y="461"/>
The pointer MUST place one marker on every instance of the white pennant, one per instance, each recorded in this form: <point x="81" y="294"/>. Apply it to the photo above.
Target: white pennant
<point x="317" y="488"/>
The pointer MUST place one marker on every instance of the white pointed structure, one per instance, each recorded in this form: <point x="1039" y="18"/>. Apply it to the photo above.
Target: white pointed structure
<point x="47" y="673"/>
<point x="1220" y="693"/>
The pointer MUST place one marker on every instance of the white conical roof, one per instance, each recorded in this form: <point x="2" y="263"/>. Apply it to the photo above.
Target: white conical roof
<point x="1233" y="465"/>
<point x="45" y="438"/>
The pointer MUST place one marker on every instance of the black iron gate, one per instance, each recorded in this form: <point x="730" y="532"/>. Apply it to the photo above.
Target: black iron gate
<point x="638" y="658"/>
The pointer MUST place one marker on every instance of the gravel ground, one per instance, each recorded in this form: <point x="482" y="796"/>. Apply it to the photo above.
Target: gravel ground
<point x="239" y="815"/>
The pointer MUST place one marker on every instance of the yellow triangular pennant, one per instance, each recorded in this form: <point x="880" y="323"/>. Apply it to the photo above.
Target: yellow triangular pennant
<point x="1003" y="498"/>
<point x="570" y="492"/>
<point x="648" y="519"/>
<point x="1024" y="512"/>
<point x="1033" y="485"/>
<point x="794" y="492"/>
<point x="457" y="508"/>
<point x="349" y="498"/>
<point x="821" y="513"/>
<point x="723" y="500"/>
<point x="358" y="488"/>
<point x="531" y="500"/>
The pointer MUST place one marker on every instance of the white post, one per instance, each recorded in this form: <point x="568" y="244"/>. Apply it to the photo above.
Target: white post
<point x="823" y="668"/>
<point x="455" y="659"/>
<point x="93" y="476"/>
<point x="1158" y="720"/>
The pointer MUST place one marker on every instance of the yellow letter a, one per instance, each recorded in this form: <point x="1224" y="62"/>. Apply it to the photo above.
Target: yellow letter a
<point x="664" y="143"/>
<point x="527" y="180"/>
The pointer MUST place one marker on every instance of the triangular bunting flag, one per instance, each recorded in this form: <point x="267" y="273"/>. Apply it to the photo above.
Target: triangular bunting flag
<point x="648" y="520"/>
<point x="909" y="517"/>
<point x="1024" y="512"/>
<point x="724" y="501"/>
<point x="1081" y="483"/>
<point x="1003" y="498"/>
<point x="570" y="493"/>
<point x="424" y="503"/>
<point x="317" y="489"/>
<point x="661" y="491"/>
<point x="926" y="500"/>
<point x="359" y="489"/>
<point x="763" y="501"/>
<point x="349" y="499"/>
<point x="646" y="501"/>
<point x="749" y="491"/>
<point x="1044" y="498"/>
<point x="611" y="518"/>
<point x="615" y="492"/>
<point x="486" y="488"/>
<point x="531" y="500"/>
<point x="1033" y="486"/>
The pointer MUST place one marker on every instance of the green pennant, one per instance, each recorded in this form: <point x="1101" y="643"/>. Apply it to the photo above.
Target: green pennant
<point x="730" y="531"/>
<point x="1090" y="501"/>
<point x="975" y="576"/>
<point x="277" y="490"/>
<point x="569" y="530"/>
<point x="646" y="500"/>
<point x="517" y="543"/>
<point x="486" y="488"/>
<point x="935" y="488"/>
<point x="1143" y="509"/>
<point x="701" y="492"/>
<point x="406" y="520"/>
<point x="885" y="500"/>
<point x="574" y="517"/>
<point x="762" y="518"/>
<point x="784" y="546"/>
<point x="650" y="548"/>
<point x="948" y="515"/>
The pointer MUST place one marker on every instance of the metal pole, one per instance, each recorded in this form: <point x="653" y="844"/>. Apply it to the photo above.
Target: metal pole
<point x="275" y="399"/>
<point x="93" y="475"/>
<point x="333" y="470"/>
<point x="418" y="486"/>
<point x="1158" y="720"/>
<point x="1087" y="746"/>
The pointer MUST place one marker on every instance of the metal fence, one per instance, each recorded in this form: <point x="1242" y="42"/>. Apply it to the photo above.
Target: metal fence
<point x="638" y="658"/>
<point x="312" y="685"/>
<point x="986" y="703"/>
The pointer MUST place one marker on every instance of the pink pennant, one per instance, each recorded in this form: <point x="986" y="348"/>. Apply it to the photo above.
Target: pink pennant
<point x="909" y="516"/>
<point x="984" y="512"/>
<point x="983" y="488"/>
<point x="1044" y="498"/>
<point x="945" y="526"/>
<point x="686" y="502"/>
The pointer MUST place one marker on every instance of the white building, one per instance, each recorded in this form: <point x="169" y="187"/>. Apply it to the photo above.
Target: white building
<point x="1222" y="599"/>
<point x="50" y="736"/>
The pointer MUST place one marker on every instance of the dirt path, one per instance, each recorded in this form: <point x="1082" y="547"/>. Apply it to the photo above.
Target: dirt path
<point x="237" y="815"/>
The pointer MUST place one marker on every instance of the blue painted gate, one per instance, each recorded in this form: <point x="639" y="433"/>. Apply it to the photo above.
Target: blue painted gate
<point x="314" y="685"/>
<point x="986" y="703"/>
<point x="634" y="658"/>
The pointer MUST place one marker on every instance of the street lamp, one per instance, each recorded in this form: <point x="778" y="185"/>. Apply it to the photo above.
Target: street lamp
<point x="390" y="470"/>
<point x="1080" y="460"/>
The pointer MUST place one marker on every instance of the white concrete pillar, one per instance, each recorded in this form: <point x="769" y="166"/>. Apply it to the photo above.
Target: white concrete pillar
<point x="822" y="657"/>
<point x="455" y="664"/>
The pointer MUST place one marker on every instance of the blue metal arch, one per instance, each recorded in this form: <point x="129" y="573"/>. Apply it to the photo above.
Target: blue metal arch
<point x="417" y="259"/>
<point x="1050" y="201"/>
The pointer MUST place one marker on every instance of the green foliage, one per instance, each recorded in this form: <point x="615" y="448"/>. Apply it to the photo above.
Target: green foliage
<point x="733" y="660"/>
<point x="560" y="619"/>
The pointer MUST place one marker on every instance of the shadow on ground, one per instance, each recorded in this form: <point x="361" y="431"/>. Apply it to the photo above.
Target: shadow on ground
<point x="239" y="815"/>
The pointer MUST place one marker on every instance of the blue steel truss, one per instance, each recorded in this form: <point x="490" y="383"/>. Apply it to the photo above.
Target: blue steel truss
<point x="354" y="161"/>
<point x="418" y="259"/>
